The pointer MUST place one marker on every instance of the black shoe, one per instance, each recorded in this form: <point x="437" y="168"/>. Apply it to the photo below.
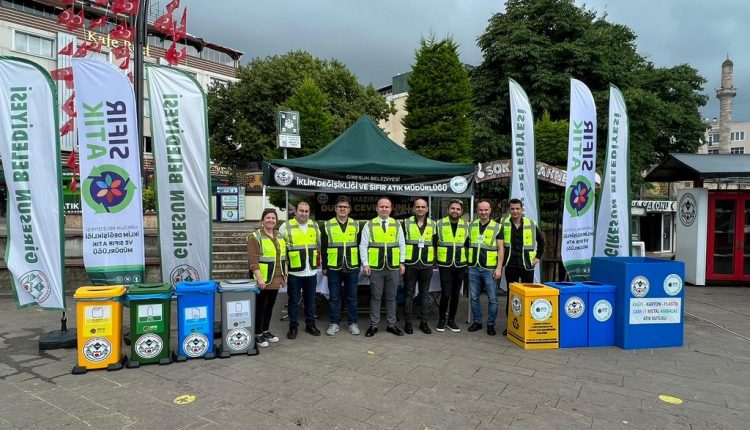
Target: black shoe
<point x="491" y="330"/>
<point x="408" y="328"/>
<point x="441" y="326"/>
<point x="453" y="327"/>
<point x="292" y="333"/>
<point x="505" y="332"/>
<point x="425" y="328"/>
<point x="395" y="330"/>
<point x="476" y="326"/>
<point x="371" y="331"/>
<point x="312" y="330"/>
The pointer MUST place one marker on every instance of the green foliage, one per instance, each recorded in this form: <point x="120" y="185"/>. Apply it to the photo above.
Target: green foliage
<point x="551" y="141"/>
<point x="242" y="115"/>
<point x="542" y="44"/>
<point x="149" y="199"/>
<point x="439" y="103"/>
<point x="315" y="122"/>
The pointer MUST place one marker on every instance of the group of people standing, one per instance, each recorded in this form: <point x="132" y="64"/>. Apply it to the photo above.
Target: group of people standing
<point x="385" y="250"/>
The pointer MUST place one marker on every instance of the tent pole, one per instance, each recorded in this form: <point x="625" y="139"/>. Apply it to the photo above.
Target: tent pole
<point x="429" y="206"/>
<point x="286" y="196"/>
<point x="471" y="209"/>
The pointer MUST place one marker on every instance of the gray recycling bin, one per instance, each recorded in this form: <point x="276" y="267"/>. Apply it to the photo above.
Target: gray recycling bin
<point x="238" y="317"/>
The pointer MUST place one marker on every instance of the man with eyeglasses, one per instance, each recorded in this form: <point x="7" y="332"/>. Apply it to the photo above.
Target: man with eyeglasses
<point x="340" y="263"/>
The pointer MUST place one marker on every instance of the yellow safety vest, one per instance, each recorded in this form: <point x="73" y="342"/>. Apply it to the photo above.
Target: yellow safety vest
<point x="450" y="248"/>
<point x="382" y="251"/>
<point x="414" y="253"/>
<point x="302" y="247"/>
<point x="268" y="255"/>
<point x="342" y="248"/>
<point x="529" y="241"/>
<point x="483" y="249"/>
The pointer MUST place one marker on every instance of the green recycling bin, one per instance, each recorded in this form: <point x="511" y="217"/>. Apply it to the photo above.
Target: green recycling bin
<point x="150" y="311"/>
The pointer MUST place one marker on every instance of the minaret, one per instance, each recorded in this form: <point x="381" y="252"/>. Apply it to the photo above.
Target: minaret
<point x="725" y="94"/>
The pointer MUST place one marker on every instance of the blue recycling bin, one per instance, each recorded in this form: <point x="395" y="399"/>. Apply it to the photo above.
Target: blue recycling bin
<point x="195" y="321"/>
<point x="572" y="302"/>
<point x="649" y="298"/>
<point x="600" y="313"/>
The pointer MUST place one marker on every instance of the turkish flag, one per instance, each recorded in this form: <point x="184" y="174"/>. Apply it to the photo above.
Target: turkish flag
<point x="171" y="6"/>
<point x="81" y="51"/>
<point x="75" y="22"/>
<point x="164" y="24"/>
<point x="95" y="46"/>
<point x="71" y="163"/>
<point x="123" y="32"/>
<point x="127" y="7"/>
<point x="181" y="32"/>
<point x="65" y="16"/>
<point x="69" y="107"/>
<point x="68" y="50"/>
<point x="98" y="22"/>
<point x="65" y="74"/>
<point x="125" y="64"/>
<point x="173" y="56"/>
<point x="73" y="184"/>
<point x="67" y="127"/>
<point x="121" y="52"/>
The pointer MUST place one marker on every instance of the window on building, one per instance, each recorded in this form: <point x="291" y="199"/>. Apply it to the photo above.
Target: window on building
<point x="713" y="138"/>
<point x="713" y="151"/>
<point x="33" y="44"/>
<point x="737" y="135"/>
<point x="216" y="81"/>
<point x="737" y="150"/>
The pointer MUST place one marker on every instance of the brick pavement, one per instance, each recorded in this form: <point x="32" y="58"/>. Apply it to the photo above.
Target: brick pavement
<point x="441" y="381"/>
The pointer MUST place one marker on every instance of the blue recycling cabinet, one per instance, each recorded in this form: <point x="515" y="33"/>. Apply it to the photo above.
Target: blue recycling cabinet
<point x="649" y="298"/>
<point x="195" y="322"/>
<point x="600" y="313"/>
<point x="573" y="300"/>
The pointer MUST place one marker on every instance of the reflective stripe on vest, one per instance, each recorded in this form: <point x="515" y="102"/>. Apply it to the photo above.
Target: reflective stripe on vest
<point x="342" y="245"/>
<point x="302" y="246"/>
<point x="268" y="256"/>
<point x="450" y="249"/>
<point x="483" y="249"/>
<point x="529" y="241"/>
<point x="382" y="251"/>
<point x="412" y="236"/>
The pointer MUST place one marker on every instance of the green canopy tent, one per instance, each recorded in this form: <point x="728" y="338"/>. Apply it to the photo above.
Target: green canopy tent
<point x="363" y="160"/>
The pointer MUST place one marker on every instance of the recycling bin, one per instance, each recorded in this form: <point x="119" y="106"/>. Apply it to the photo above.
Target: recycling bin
<point x="238" y="317"/>
<point x="600" y="314"/>
<point x="99" y="321"/>
<point x="533" y="320"/>
<point x="572" y="302"/>
<point x="150" y="311"/>
<point x="649" y="297"/>
<point x="195" y="321"/>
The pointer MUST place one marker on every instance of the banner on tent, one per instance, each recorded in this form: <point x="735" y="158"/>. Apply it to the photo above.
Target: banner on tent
<point x="178" y="124"/>
<point x="110" y="169"/>
<point x="30" y="149"/>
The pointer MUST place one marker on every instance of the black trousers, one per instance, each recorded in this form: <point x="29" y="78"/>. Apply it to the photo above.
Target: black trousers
<point x="263" y="309"/>
<point x="516" y="274"/>
<point x="451" y="279"/>
<point x="412" y="278"/>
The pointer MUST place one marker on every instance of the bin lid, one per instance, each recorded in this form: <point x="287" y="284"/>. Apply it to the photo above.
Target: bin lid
<point x="238" y="285"/>
<point x="569" y="287"/>
<point x="155" y="288"/>
<point x="598" y="287"/>
<point x="196" y="287"/>
<point x="533" y="289"/>
<point x="99" y="292"/>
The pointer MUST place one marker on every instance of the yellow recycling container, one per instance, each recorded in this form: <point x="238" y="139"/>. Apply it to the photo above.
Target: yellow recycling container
<point x="99" y="318"/>
<point x="533" y="321"/>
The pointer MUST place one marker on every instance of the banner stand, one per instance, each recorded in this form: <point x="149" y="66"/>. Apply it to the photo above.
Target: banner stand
<point x="59" y="339"/>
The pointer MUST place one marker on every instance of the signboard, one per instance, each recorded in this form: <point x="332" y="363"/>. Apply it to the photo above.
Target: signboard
<point x="503" y="168"/>
<point x="655" y="205"/>
<point x="656" y="310"/>
<point x="287" y="126"/>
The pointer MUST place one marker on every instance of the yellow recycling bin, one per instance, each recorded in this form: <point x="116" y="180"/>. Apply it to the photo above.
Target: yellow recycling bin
<point x="533" y="321"/>
<point x="99" y="318"/>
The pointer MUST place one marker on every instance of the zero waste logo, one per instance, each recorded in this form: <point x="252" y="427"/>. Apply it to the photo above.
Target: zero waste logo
<point x="108" y="189"/>
<point x="578" y="198"/>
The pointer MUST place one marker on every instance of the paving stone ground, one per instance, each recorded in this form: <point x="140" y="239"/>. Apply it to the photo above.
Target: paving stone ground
<point x="439" y="381"/>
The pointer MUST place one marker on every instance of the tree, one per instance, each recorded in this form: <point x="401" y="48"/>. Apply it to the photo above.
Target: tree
<point x="543" y="43"/>
<point x="315" y="122"/>
<point x="242" y="115"/>
<point x="437" y="121"/>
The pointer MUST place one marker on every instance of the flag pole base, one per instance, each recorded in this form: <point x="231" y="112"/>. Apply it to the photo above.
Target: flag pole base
<point x="59" y="339"/>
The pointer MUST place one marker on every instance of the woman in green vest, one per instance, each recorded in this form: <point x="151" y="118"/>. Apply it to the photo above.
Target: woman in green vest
<point x="267" y="258"/>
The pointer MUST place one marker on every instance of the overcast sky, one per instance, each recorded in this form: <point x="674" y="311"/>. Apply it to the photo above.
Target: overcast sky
<point x="377" y="39"/>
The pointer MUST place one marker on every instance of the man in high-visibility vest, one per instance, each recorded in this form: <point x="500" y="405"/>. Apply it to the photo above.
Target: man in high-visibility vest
<point x="340" y="263"/>
<point x="484" y="266"/>
<point x="421" y="238"/>
<point x="453" y="235"/>
<point x="521" y="246"/>
<point x="302" y="238"/>
<point x="382" y="248"/>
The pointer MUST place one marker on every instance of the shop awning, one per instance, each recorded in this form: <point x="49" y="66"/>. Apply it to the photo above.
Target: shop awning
<point x="698" y="167"/>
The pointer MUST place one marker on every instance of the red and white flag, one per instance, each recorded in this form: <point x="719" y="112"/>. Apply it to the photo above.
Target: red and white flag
<point x="69" y="106"/>
<point x="75" y="22"/>
<point x="127" y="7"/>
<point x="68" y="50"/>
<point x="98" y="22"/>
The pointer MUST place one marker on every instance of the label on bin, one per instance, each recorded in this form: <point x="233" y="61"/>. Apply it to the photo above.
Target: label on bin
<point x="97" y="320"/>
<point x="574" y="307"/>
<point x="658" y="310"/>
<point x="516" y="306"/>
<point x="196" y="318"/>
<point x="602" y="310"/>
<point x="238" y="314"/>
<point x="96" y="349"/>
<point x="195" y="345"/>
<point x="541" y="309"/>
<point x="150" y="319"/>
<point x="639" y="286"/>
<point x="673" y="284"/>
<point x="238" y="339"/>
<point x="149" y="345"/>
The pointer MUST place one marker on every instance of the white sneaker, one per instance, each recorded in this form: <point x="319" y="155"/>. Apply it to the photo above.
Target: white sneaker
<point x="270" y="337"/>
<point x="354" y="329"/>
<point x="332" y="329"/>
<point x="261" y="341"/>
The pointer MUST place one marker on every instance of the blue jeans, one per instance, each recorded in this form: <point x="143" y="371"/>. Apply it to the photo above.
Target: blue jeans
<point x="299" y="285"/>
<point x="477" y="277"/>
<point x="350" y="281"/>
